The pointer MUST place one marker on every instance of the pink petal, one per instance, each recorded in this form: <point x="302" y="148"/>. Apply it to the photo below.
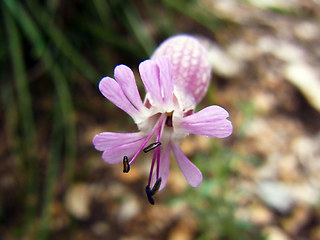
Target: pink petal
<point x="166" y="78"/>
<point x="164" y="167"/>
<point x="208" y="114"/>
<point x="112" y="91"/>
<point x="150" y="76"/>
<point x="210" y="122"/>
<point x="117" y="145"/>
<point x="109" y="140"/>
<point x="191" y="173"/>
<point x="127" y="82"/>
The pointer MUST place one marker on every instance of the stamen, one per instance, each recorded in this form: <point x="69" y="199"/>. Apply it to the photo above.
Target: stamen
<point x="151" y="146"/>
<point x="156" y="155"/>
<point x="157" y="152"/>
<point x="147" y="139"/>
<point x="156" y="186"/>
<point x="149" y="195"/>
<point x="126" y="165"/>
<point x="151" y="169"/>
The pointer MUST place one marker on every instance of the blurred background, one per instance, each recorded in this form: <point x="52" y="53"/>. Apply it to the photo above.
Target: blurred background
<point x="262" y="182"/>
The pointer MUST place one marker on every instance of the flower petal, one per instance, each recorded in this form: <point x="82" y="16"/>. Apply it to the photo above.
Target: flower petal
<point x="109" y="140"/>
<point x="210" y="122"/>
<point x="117" y="145"/>
<point x="208" y="114"/>
<point x="191" y="173"/>
<point x="166" y="78"/>
<point x="164" y="167"/>
<point x="150" y="76"/>
<point x="112" y="91"/>
<point x="127" y="82"/>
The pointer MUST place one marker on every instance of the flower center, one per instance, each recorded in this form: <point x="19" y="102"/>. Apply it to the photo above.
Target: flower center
<point x="169" y="119"/>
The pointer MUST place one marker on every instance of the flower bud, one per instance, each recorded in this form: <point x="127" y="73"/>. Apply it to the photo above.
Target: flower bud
<point x="192" y="71"/>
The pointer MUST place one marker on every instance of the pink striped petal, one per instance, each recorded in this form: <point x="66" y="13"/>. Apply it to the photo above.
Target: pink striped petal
<point x="166" y="78"/>
<point x="208" y="114"/>
<point x="112" y="91"/>
<point x="109" y="140"/>
<point x="210" y="122"/>
<point x="150" y="76"/>
<point x="117" y="145"/>
<point x="127" y="82"/>
<point x="191" y="173"/>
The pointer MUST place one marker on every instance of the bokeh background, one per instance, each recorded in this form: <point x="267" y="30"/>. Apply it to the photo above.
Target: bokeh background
<point x="262" y="182"/>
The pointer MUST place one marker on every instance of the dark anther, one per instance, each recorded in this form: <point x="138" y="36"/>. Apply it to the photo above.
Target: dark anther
<point x="149" y="195"/>
<point x="156" y="186"/>
<point x="152" y="146"/>
<point x="126" y="165"/>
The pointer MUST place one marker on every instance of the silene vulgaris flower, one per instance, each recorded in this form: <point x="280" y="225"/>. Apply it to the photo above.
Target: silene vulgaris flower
<point x="176" y="78"/>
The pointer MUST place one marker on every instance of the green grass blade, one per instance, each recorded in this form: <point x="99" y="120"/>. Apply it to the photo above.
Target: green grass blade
<point x="128" y="16"/>
<point x="52" y="174"/>
<point x="60" y="81"/>
<point x="13" y="140"/>
<point x="67" y="112"/>
<point x="35" y="35"/>
<point x="26" y="115"/>
<point x="27" y="24"/>
<point x="139" y="29"/>
<point x="198" y="12"/>
<point x="60" y="40"/>
<point x="102" y="10"/>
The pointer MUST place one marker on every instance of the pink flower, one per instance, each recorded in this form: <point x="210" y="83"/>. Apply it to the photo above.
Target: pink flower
<point x="175" y="79"/>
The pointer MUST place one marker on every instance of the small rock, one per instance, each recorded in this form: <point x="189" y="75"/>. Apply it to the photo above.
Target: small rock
<point x="128" y="209"/>
<point x="307" y="151"/>
<point x="307" y="30"/>
<point x="242" y="50"/>
<point x="77" y="201"/>
<point x="289" y="169"/>
<point x="222" y="62"/>
<point x="100" y="228"/>
<point x="307" y="80"/>
<point x="275" y="233"/>
<point x="264" y="102"/>
<point x="279" y="4"/>
<point x="276" y="195"/>
<point x="305" y="193"/>
<point x="261" y="215"/>
<point x="288" y="51"/>
<point x="282" y="49"/>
